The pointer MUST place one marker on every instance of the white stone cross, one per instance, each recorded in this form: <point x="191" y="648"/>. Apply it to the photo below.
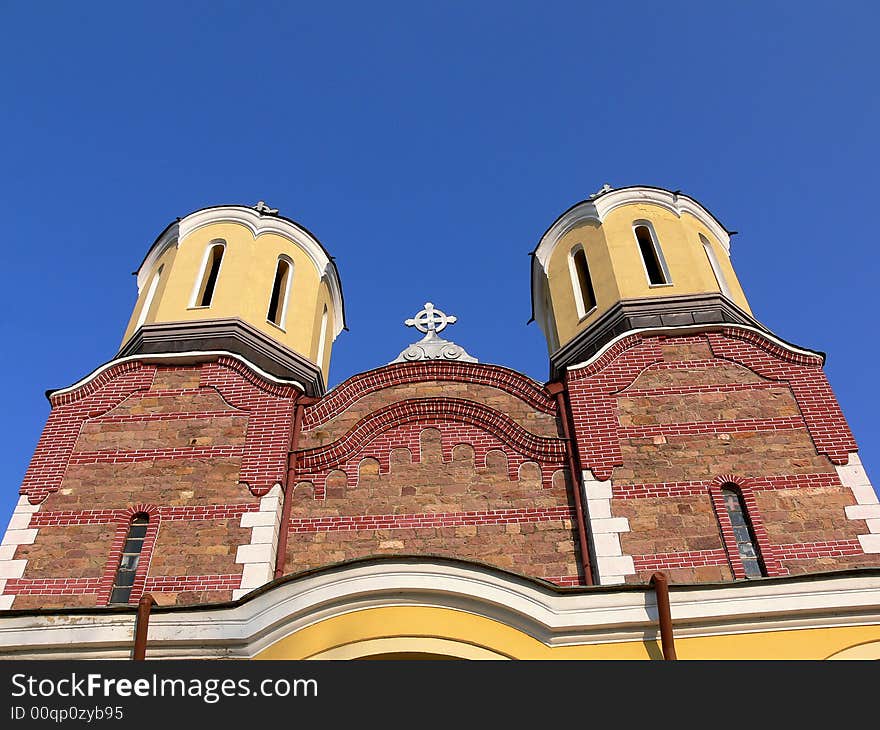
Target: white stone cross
<point x="431" y="320"/>
<point x="261" y="208"/>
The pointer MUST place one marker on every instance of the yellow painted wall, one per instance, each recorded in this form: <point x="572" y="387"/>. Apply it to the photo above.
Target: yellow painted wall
<point x="618" y="272"/>
<point x="425" y="629"/>
<point x="243" y="288"/>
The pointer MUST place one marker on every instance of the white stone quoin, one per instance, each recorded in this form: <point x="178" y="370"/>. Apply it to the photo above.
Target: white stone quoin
<point x="258" y="556"/>
<point x="867" y="506"/>
<point x="611" y="564"/>
<point x="17" y="533"/>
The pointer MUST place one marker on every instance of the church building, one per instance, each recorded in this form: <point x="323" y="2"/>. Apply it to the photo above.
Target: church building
<point x="684" y="485"/>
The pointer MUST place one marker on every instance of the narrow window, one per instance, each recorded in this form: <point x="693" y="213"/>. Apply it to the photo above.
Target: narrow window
<point x="128" y="563"/>
<point x="584" y="296"/>
<point x="280" y="288"/>
<point x="148" y="300"/>
<point x="652" y="256"/>
<point x="742" y="532"/>
<point x="716" y="267"/>
<point x="322" y="339"/>
<point x="209" y="277"/>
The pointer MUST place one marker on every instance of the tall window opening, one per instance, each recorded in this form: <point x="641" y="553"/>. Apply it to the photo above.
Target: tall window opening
<point x="652" y="256"/>
<point x="742" y="531"/>
<point x="716" y="266"/>
<point x="148" y="300"/>
<point x="584" y="296"/>
<point x="209" y="276"/>
<point x="128" y="563"/>
<point x="322" y="339"/>
<point x="280" y="291"/>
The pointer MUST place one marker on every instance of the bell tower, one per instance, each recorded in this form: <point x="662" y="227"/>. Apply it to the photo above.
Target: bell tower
<point x="242" y="280"/>
<point x="631" y="258"/>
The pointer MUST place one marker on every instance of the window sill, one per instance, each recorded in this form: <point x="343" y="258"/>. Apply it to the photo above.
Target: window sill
<point x="203" y="306"/>
<point x="587" y="315"/>
<point x="276" y="326"/>
<point x="660" y="286"/>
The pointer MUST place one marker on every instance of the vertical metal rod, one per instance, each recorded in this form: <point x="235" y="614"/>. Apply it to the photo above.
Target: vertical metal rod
<point x="141" y="626"/>
<point x="667" y="640"/>
<point x="558" y="390"/>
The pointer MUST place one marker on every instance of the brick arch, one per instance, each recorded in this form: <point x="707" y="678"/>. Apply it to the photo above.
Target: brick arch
<point x="344" y="394"/>
<point x="429" y="412"/>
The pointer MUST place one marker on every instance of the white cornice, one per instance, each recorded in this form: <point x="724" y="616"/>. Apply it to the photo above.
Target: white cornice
<point x="686" y="329"/>
<point x="554" y="618"/>
<point x="598" y="209"/>
<point x="258" y="225"/>
<point x="180" y="358"/>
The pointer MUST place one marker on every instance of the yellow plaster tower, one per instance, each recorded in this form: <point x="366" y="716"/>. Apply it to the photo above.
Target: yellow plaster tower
<point x="630" y="258"/>
<point x="241" y="280"/>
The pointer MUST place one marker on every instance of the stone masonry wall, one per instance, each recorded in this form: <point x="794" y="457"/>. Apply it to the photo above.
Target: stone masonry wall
<point x="671" y="420"/>
<point x="174" y="442"/>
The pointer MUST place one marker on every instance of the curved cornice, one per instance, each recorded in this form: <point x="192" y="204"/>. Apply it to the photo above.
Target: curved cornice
<point x="541" y="449"/>
<point x="510" y="381"/>
<point x="598" y="208"/>
<point x="181" y="358"/>
<point x="258" y="224"/>
<point x="553" y="616"/>
<point x="792" y="352"/>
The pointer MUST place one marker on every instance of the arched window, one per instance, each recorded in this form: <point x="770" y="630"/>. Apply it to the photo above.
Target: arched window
<point x="322" y="339"/>
<point x="208" y="279"/>
<point x="581" y="282"/>
<point x="716" y="267"/>
<point x="128" y="563"/>
<point x="652" y="255"/>
<point x="148" y="300"/>
<point x="280" y="292"/>
<point x="746" y="544"/>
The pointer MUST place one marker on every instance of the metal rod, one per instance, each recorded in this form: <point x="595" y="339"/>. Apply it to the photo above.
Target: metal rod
<point x="558" y="390"/>
<point x="664" y="615"/>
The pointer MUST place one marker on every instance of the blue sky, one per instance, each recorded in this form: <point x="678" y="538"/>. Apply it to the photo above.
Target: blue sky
<point x="428" y="146"/>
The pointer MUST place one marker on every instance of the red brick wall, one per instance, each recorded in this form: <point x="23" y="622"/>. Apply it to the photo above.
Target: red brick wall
<point x="184" y="443"/>
<point x="445" y="459"/>
<point x="668" y="419"/>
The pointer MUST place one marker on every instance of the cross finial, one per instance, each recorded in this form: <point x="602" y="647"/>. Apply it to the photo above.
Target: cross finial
<point x="604" y="189"/>
<point x="431" y="320"/>
<point x="264" y="209"/>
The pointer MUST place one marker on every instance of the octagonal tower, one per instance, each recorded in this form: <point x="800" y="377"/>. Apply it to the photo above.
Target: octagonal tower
<point x="631" y="258"/>
<point x="242" y="280"/>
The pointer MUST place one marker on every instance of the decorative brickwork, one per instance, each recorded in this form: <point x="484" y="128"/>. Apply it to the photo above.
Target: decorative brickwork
<point x="426" y="503"/>
<point x="398" y="426"/>
<point x="671" y="419"/>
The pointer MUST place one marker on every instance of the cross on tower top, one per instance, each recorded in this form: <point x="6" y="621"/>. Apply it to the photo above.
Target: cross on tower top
<point x="264" y="209"/>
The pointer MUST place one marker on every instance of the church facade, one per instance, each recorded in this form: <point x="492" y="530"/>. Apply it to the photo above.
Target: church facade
<point x="680" y="461"/>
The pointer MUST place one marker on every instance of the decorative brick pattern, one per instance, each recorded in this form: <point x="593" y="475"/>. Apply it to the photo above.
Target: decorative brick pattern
<point x="69" y="411"/>
<point x="442" y="519"/>
<point x="703" y="427"/>
<point x="804" y="375"/>
<point x="668" y="561"/>
<point x="270" y="420"/>
<point x="398" y="426"/>
<point x="54" y="586"/>
<point x="701" y="486"/>
<point x="342" y="396"/>
<point x="434" y="505"/>
<point x="177" y="584"/>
